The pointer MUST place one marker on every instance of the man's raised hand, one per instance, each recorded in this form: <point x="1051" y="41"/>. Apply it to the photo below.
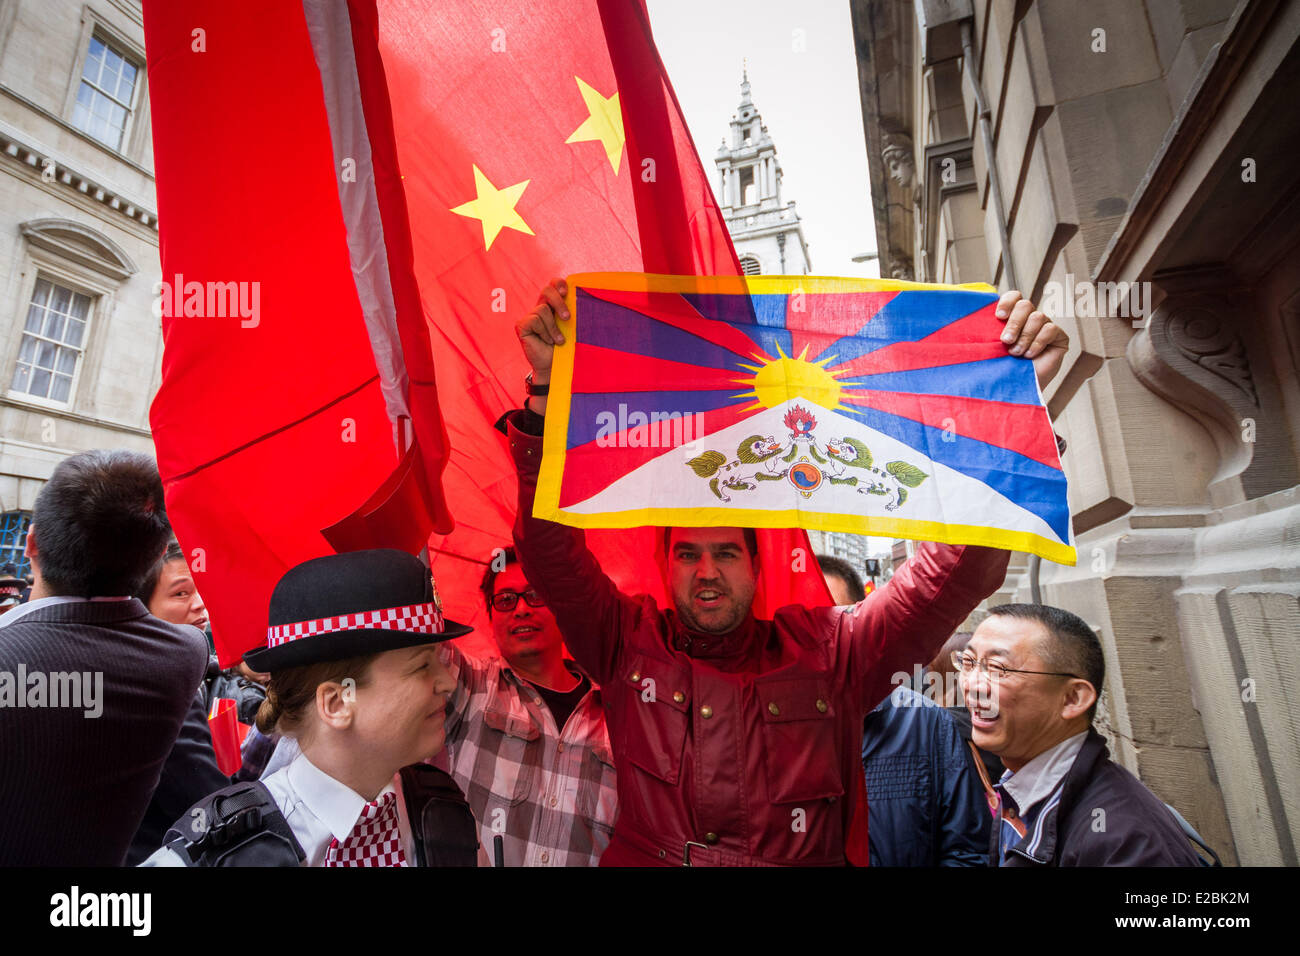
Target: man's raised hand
<point x="539" y="331"/>
<point x="1031" y="334"/>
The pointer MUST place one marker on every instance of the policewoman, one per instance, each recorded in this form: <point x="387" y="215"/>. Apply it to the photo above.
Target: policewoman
<point x="356" y="681"/>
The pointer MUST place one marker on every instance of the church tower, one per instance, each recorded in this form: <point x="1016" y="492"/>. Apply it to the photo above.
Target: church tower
<point x="767" y="234"/>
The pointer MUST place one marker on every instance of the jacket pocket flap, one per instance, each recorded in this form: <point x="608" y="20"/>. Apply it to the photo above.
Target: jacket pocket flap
<point x="660" y="682"/>
<point x="655" y="715"/>
<point x="785" y="700"/>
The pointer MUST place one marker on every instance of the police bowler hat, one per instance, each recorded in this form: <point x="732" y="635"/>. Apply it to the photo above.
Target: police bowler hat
<point x="349" y="605"/>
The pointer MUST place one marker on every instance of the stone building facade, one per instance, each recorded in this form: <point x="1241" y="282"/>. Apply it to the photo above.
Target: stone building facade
<point x="767" y="233"/>
<point x="80" y="349"/>
<point x="1131" y="166"/>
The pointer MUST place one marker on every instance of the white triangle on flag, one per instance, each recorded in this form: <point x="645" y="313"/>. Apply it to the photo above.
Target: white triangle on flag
<point x="945" y="495"/>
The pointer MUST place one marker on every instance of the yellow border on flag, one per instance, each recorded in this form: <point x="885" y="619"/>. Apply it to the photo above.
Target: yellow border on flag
<point x="759" y="285"/>
<point x="546" y="503"/>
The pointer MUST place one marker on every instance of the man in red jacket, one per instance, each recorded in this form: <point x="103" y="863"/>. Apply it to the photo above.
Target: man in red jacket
<point x="737" y="740"/>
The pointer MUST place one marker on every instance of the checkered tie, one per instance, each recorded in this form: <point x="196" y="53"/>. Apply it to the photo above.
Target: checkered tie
<point x="375" y="839"/>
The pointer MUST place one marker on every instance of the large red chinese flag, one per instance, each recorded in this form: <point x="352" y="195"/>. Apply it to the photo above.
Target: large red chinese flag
<point x="292" y="139"/>
<point x="538" y="140"/>
<point x="376" y="165"/>
<point x="297" y="412"/>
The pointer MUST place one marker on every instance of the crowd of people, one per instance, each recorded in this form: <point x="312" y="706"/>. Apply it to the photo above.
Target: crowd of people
<point x="609" y="730"/>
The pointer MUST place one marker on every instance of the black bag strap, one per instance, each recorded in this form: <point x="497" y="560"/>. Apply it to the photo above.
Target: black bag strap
<point x="239" y="825"/>
<point x="443" y="826"/>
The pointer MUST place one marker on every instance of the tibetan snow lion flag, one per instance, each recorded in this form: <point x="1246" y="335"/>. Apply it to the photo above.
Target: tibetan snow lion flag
<point x="870" y="406"/>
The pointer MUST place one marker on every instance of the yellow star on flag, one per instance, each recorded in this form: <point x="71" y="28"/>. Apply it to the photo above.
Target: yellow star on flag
<point x="605" y="123"/>
<point x="495" y="208"/>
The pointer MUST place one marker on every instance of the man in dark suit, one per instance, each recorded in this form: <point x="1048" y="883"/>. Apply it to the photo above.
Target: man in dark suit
<point x="93" y="689"/>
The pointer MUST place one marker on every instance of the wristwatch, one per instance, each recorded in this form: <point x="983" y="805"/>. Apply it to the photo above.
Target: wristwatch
<point x="535" y="390"/>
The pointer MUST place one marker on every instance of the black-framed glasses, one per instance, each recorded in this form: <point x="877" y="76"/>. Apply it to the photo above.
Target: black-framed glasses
<point x="507" y="600"/>
<point x="996" y="670"/>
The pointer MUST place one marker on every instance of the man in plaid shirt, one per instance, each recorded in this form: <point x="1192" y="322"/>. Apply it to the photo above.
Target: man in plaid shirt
<point x="526" y="738"/>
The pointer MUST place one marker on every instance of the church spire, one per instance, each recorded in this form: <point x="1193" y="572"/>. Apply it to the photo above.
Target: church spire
<point x="767" y="232"/>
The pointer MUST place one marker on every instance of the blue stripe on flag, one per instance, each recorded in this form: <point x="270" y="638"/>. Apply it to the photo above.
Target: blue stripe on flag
<point x="585" y="407"/>
<point x="615" y="326"/>
<point x="761" y="317"/>
<point x="1005" y="379"/>
<point x="1032" y="485"/>
<point x="910" y="316"/>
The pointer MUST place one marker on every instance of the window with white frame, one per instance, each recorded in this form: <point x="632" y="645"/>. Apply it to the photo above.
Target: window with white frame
<point x="106" y="94"/>
<point x="52" y="342"/>
<point x="13" y="539"/>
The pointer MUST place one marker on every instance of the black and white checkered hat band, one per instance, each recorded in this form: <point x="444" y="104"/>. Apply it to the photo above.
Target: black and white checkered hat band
<point x="419" y="618"/>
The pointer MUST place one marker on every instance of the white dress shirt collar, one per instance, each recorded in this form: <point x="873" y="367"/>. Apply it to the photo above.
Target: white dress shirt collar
<point x="335" y="804"/>
<point x="319" y="808"/>
<point x="315" y="819"/>
<point x="1037" y="779"/>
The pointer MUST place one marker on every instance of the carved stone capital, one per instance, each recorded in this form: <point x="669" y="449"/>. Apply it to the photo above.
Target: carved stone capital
<point x="1202" y="335"/>
<point x="1190" y="354"/>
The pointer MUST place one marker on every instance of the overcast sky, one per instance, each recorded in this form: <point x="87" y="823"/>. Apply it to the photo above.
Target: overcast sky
<point x="804" y="81"/>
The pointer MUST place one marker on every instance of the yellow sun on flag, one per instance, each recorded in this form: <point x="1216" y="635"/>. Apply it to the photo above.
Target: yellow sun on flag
<point x="782" y="379"/>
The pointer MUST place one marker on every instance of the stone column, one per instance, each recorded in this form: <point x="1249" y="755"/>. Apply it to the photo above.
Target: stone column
<point x="1185" y="509"/>
<point x="1238" y="606"/>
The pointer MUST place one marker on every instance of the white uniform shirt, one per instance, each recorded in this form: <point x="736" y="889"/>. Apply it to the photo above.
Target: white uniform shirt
<point x="317" y="808"/>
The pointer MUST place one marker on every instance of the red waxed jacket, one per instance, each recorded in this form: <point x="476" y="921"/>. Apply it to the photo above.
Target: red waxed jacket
<point x="746" y="746"/>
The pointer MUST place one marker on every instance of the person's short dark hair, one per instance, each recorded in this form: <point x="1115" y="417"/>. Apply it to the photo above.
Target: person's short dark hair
<point x="844" y="571"/>
<point x="488" y="584"/>
<point x="750" y="535"/>
<point x="101" y="523"/>
<point x="1071" y="646"/>
<point x="942" y="661"/>
<point x="145" y="591"/>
